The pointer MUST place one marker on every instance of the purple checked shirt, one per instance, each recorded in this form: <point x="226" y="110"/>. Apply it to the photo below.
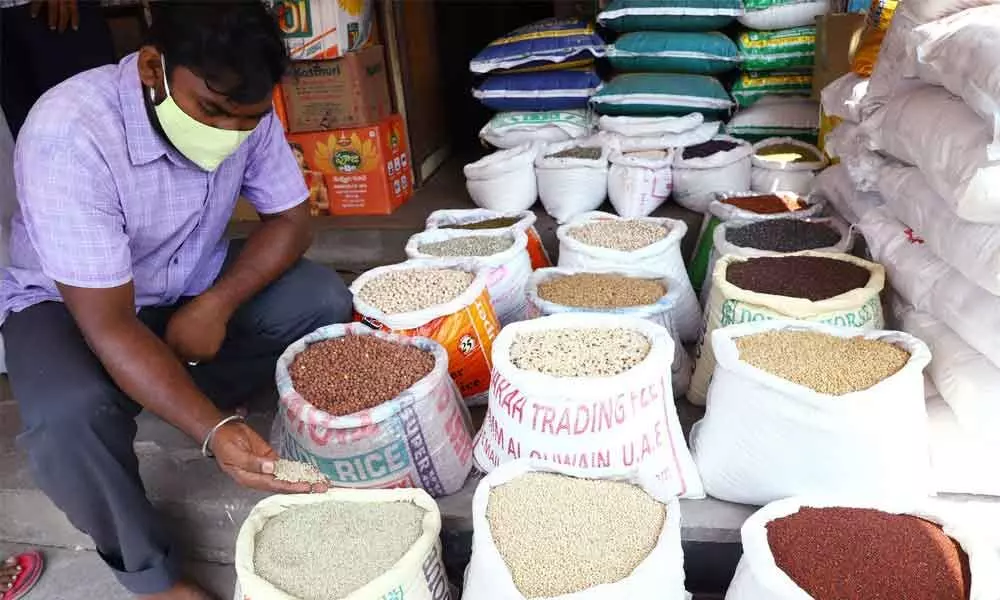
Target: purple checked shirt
<point x="103" y="199"/>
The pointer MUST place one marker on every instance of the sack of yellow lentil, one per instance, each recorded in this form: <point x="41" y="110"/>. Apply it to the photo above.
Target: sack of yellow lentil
<point x="626" y="543"/>
<point x="493" y="221"/>
<point x="852" y="424"/>
<point x="464" y="324"/>
<point x="729" y="304"/>
<point x="879" y="18"/>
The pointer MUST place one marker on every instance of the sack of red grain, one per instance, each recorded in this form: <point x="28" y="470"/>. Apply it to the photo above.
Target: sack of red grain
<point x="493" y="221"/>
<point x="445" y="300"/>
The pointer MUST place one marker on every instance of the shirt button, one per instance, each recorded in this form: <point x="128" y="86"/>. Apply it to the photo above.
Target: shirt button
<point x="176" y="261"/>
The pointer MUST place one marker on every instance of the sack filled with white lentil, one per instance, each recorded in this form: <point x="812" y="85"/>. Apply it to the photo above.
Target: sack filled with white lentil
<point x="345" y="544"/>
<point x="729" y="304"/>
<point x="445" y="300"/>
<point x="503" y="256"/>
<point x="805" y="408"/>
<point x="598" y="240"/>
<point x="548" y="531"/>
<point x="480" y="219"/>
<point x="422" y="437"/>
<point x="628" y="292"/>
<point x="569" y="186"/>
<point x="590" y="391"/>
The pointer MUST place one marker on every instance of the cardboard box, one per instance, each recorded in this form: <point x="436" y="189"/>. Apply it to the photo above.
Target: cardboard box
<point x="837" y="37"/>
<point x="356" y="171"/>
<point x="318" y="29"/>
<point x="321" y="95"/>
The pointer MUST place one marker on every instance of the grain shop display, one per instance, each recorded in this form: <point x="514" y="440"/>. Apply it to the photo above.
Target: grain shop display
<point x="590" y="352"/>
<point x="489" y="220"/>
<point x="783" y="235"/>
<point x="601" y="291"/>
<point x="412" y="290"/>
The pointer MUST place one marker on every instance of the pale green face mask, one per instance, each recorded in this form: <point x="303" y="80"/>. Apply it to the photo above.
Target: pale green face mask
<point x="202" y="144"/>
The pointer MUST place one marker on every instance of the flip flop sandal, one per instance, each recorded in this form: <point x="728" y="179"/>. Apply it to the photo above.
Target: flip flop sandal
<point x="31" y="564"/>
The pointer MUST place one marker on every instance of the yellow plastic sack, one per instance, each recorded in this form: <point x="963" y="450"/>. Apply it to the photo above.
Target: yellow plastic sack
<point x="879" y="18"/>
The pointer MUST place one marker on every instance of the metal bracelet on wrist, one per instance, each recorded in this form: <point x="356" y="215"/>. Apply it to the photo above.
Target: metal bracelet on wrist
<point x="205" y="450"/>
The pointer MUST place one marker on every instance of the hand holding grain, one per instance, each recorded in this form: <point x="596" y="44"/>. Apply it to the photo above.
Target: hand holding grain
<point x="249" y="460"/>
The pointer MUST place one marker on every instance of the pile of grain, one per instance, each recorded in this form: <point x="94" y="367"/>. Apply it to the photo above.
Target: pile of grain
<point x="589" y="352"/>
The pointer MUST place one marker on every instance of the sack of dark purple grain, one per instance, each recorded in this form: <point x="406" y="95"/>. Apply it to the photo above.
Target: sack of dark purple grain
<point x="837" y="289"/>
<point x="373" y="410"/>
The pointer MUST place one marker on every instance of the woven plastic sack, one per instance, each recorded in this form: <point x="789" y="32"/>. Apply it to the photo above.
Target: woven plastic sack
<point x="663" y="257"/>
<point x="662" y="312"/>
<point x="511" y="129"/>
<point x="659" y="575"/>
<point x="566" y="419"/>
<point x="639" y="182"/>
<point x="730" y="305"/>
<point x="962" y="461"/>
<point x="778" y="50"/>
<point x="751" y="87"/>
<point x="659" y="94"/>
<point x="570" y="186"/>
<point x="835" y="188"/>
<point x="419" y="575"/>
<point x="560" y="43"/>
<point x="421" y="438"/>
<point x="505" y="180"/>
<point x="631" y="134"/>
<point x="466" y="326"/>
<point x="843" y="97"/>
<point x="697" y="180"/>
<point x="773" y="173"/>
<point x="781" y="14"/>
<point x="777" y="116"/>
<point x="506" y="272"/>
<point x="669" y="15"/>
<point x="894" y="69"/>
<point x="933" y="10"/>
<point x="674" y="52"/>
<point x="757" y="575"/>
<point x="543" y="91"/>
<point x="879" y="18"/>
<point x="441" y="219"/>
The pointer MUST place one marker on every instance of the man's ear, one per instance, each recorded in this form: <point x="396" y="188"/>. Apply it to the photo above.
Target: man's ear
<point x="151" y="71"/>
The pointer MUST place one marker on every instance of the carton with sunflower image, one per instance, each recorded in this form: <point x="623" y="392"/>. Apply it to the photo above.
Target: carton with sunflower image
<point x="365" y="170"/>
<point x="318" y="29"/>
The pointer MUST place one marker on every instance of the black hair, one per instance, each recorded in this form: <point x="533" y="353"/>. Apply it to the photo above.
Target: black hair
<point x="234" y="45"/>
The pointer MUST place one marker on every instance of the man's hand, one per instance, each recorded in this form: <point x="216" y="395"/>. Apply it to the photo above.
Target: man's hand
<point x="196" y="331"/>
<point x="61" y="13"/>
<point x="249" y="460"/>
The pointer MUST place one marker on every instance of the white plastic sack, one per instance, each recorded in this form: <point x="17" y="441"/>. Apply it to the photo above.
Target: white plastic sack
<point x="776" y="115"/>
<point x="697" y="180"/>
<point x="512" y="129"/>
<point x="662" y="313"/>
<point x="848" y="143"/>
<point x="770" y="175"/>
<point x="651" y="133"/>
<point x="570" y="186"/>
<point x="757" y="575"/>
<point x="784" y="15"/>
<point x="507" y="272"/>
<point x="421" y="438"/>
<point x="728" y="212"/>
<point x="764" y="438"/>
<point x="930" y="285"/>
<point x="932" y="10"/>
<point x="973" y="249"/>
<point x="960" y="52"/>
<point x="964" y="463"/>
<point x="843" y="96"/>
<point x="419" y="575"/>
<point x="894" y="64"/>
<point x="834" y="186"/>
<point x="931" y="129"/>
<point x="594" y="424"/>
<point x="659" y="575"/>
<point x="663" y="257"/>
<point x="504" y="180"/>
<point x="634" y="127"/>
<point x="639" y="182"/>
<point x="440" y="219"/>
<point x="729" y="305"/>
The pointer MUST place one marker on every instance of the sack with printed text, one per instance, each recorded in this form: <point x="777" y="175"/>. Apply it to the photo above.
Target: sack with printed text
<point x="781" y="14"/>
<point x="731" y="305"/>
<point x="639" y="182"/>
<point x="452" y="218"/>
<point x="777" y="116"/>
<point x="511" y="129"/>
<point x="621" y="422"/>
<point x="570" y="186"/>
<point x="465" y="326"/>
<point x="870" y="442"/>
<point x="504" y="180"/>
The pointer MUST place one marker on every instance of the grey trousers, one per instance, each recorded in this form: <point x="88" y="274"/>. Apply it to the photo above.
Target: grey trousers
<point x="79" y="428"/>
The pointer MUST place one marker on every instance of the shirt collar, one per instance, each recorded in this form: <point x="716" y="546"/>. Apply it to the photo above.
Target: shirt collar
<point x="144" y="143"/>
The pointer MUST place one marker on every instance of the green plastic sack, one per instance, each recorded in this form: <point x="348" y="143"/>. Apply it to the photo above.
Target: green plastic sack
<point x="668" y="52"/>
<point x="669" y="15"/>
<point x="751" y="87"/>
<point x="660" y="94"/>
<point x="784" y="50"/>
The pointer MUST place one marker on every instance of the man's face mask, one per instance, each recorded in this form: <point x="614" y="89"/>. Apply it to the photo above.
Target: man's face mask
<point x="204" y="145"/>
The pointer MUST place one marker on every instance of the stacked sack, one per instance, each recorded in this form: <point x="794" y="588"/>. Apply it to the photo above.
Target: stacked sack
<point x="539" y="78"/>
<point x="930" y="119"/>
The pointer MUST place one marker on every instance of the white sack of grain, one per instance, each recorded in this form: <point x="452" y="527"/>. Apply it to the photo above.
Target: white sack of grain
<point x="639" y="182"/>
<point x="660" y="575"/>
<point x="620" y="422"/>
<point x="419" y="575"/>
<point x="631" y="134"/>
<point x="504" y="180"/>
<point x="445" y="217"/>
<point x="772" y="175"/>
<point x="764" y="438"/>
<point x="697" y="180"/>
<point x="570" y="186"/>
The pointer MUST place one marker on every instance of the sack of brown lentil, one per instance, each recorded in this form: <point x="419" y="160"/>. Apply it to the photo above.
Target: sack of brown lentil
<point x="721" y="164"/>
<point x="589" y="391"/>
<point x="598" y="240"/>
<point x="786" y="165"/>
<point x="542" y="530"/>
<point x="639" y="182"/>
<point x="628" y="292"/>
<point x="825" y="548"/>
<point x="572" y="177"/>
<point x="492" y="221"/>
<point x="334" y="412"/>
<point x="806" y="408"/>
<point x="445" y="300"/>
<point x="348" y="544"/>
<point x="503" y="256"/>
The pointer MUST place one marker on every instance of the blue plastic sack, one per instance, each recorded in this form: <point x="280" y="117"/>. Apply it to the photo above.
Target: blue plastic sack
<point x="547" y="90"/>
<point x="552" y="43"/>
